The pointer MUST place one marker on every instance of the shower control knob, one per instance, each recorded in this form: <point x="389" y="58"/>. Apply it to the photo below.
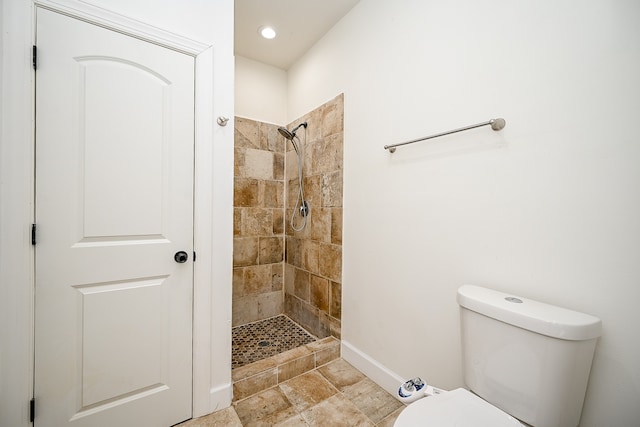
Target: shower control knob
<point x="304" y="208"/>
<point x="181" y="257"/>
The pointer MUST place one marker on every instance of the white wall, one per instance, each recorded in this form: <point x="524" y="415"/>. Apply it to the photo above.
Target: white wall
<point x="202" y="20"/>
<point x="260" y="91"/>
<point x="548" y="208"/>
<point x="208" y="22"/>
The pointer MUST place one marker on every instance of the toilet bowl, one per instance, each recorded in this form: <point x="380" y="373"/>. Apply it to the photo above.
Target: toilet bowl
<point x="459" y="408"/>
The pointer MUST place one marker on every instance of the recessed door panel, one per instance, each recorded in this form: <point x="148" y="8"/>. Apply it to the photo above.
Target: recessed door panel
<point x="122" y="357"/>
<point x="127" y="144"/>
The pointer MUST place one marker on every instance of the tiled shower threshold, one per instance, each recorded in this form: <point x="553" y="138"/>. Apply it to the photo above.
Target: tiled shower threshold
<point x="304" y="354"/>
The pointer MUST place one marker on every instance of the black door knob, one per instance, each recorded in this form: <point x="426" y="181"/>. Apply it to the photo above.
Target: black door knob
<point x="181" y="257"/>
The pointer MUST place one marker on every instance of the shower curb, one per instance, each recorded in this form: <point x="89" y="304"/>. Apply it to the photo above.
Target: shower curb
<point x="258" y="376"/>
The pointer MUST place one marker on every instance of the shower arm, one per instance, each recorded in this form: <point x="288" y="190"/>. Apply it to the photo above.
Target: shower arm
<point x="496" y="124"/>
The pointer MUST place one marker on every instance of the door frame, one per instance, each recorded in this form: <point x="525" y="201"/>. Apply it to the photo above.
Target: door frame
<point x="212" y="221"/>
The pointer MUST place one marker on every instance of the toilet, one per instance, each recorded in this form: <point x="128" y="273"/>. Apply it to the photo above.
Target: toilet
<point x="525" y="363"/>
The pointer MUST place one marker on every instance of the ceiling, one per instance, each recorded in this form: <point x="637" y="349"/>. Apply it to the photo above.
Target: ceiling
<point x="299" y="25"/>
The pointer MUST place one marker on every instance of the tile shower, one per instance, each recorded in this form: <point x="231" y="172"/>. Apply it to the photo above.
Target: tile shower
<point x="277" y="270"/>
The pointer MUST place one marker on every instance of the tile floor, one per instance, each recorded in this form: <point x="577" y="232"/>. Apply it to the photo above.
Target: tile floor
<point x="333" y="395"/>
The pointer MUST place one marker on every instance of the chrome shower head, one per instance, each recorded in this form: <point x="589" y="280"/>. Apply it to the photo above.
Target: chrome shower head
<point x="290" y="134"/>
<point x="286" y="133"/>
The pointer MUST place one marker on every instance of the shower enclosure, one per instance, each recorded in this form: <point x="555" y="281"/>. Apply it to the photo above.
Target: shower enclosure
<point x="288" y="228"/>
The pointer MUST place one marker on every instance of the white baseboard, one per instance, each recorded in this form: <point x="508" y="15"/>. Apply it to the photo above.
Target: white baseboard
<point x="380" y="374"/>
<point x="220" y="397"/>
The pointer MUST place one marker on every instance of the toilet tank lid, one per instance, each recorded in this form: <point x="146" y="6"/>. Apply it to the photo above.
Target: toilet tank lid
<point x="528" y="314"/>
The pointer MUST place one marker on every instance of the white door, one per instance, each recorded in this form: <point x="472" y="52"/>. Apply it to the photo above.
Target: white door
<point x="114" y="203"/>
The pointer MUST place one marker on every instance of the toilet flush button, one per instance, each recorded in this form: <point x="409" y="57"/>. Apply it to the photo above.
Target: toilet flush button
<point x="514" y="300"/>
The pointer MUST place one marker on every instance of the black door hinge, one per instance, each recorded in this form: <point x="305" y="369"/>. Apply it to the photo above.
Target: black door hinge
<point x="33" y="234"/>
<point x="34" y="57"/>
<point x="194" y="256"/>
<point x="32" y="410"/>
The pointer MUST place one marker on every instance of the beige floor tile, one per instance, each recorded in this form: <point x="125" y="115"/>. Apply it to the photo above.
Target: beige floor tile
<point x="267" y="405"/>
<point x="295" y="421"/>
<point x="223" y="418"/>
<point x="391" y="419"/>
<point x="371" y="399"/>
<point x="284" y="417"/>
<point x="307" y="390"/>
<point x="333" y="395"/>
<point x="341" y="374"/>
<point x="337" y="411"/>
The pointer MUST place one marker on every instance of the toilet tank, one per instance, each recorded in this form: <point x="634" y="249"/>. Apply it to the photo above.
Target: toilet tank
<point x="530" y="359"/>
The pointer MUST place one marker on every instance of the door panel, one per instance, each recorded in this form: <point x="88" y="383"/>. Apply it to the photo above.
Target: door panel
<point x="136" y="155"/>
<point x="114" y="203"/>
<point x="115" y="363"/>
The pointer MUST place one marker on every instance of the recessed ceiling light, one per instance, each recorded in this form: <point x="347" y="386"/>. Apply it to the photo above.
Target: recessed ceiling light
<point x="267" y="32"/>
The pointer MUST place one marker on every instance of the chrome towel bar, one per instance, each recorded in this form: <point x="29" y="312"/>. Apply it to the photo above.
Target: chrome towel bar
<point x="496" y="124"/>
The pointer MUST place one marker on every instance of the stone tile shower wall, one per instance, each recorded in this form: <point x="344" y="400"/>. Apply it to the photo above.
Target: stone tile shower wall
<point x="258" y="247"/>
<point x="305" y="280"/>
<point x="313" y="257"/>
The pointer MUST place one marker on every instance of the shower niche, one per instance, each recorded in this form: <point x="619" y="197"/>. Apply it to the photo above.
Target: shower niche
<point x="286" y="263"/>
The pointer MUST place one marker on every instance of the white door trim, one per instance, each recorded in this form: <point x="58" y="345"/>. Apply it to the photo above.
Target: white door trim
<point x="212" y="387"/>
<point x="16" y="213"/>
<point x="123" y="24"/>
<point x="213" y="221"/>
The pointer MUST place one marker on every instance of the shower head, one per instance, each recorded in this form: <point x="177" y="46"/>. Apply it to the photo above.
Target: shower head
<point x="286" y="133"/>
<point x="290" y="134"/>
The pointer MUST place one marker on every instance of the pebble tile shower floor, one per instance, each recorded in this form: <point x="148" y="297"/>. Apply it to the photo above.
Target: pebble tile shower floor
<point x="260" y="340"/>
